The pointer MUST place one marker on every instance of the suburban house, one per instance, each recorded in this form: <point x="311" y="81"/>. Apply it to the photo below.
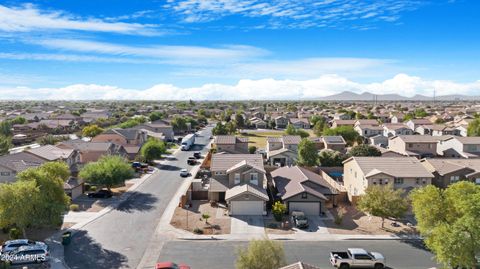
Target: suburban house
<point x="413" y="124"/>
<point x="459" y="147"/>
<point x="392" y="129"/>
<point x="339" y="123"/>
<point x="441" y="130"/>
<point x="378" y="140"/>
<point x="334" y="142"/>
<point x="240" y="181"/>
<point x="415" y="145"/>
<point x="397" y="118"/>
<point x="366" y="122"/>
<point x="258" y="123"/>
<point x="448" y="171"/>
<point x="341" y="116"/>
<point x="92" y="151"/>
<point x="368" y="130"/>
<point x="159" y="127"/>
<point x="399" y="172"/>
<point x="231" y="144"/>
<point x="53" y="153"/>
<point x="302" y="189"/>
<point x="300" y="123"/>
<point x="283" y="150"/>
<point x="12" y="164"/>
<point x="281" y="122"/>
<point x="131" y="139"/>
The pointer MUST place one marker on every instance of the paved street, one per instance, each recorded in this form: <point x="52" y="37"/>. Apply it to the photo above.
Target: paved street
<point x="215" y="254"/>
<point x="118" y="239"/>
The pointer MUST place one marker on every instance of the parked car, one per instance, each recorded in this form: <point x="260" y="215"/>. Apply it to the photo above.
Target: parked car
<point x="357" y="257"/>
<point x="100" y="194"/>
<point x="299" y="219"/>
<point x="28" y="254"/>
<point x="197" y="155"/>
<point x="191" y="161"/>
<point x="184" y="173"/>
<point x="171" y="265"/>
<point x="12" y="245"/>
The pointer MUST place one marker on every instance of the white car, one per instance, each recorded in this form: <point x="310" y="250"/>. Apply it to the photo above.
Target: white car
<point x="184" y="173"/>
<point x="12" y="245"/>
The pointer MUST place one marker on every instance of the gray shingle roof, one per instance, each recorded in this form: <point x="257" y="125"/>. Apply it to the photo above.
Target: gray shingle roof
<point x="51" y="152"/>
<point x="20" y="161"/>
<point x="246" y="188"/>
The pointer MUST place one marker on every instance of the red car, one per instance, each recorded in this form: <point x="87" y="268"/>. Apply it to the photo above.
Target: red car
<point x="171" y="265"/>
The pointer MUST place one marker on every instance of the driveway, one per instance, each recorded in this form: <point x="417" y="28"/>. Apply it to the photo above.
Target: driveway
<point x="252" y="225"/>
<point x="316" y="226"/>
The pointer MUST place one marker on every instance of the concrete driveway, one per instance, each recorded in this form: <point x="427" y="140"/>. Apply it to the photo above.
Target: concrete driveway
<point x="252" y="225"/>
<point x="316" y="226"/>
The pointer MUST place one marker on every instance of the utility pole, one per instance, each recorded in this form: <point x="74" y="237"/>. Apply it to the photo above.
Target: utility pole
<point x="434" y="96"/>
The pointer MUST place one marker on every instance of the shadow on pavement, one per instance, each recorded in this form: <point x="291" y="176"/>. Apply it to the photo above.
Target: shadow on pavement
<point x="170" y="167"/>
<point x="138" y="201"/>
<point x="84" y="252"/>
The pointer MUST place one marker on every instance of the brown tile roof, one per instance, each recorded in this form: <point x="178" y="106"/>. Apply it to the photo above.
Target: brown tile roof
<point x="394" y="166"/>
<point x="230" y="139"/>
<point x="223" y="162"/>
<point x="246" y="188"/>
<point x="291" y="139"/>
<point x="420" y="138"/>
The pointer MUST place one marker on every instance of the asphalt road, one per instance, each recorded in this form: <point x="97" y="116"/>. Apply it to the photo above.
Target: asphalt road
<point x="215" y="254"/>
<point x="118" y="239"/>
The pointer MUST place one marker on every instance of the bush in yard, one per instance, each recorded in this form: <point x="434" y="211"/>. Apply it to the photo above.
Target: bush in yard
<point x="252" y="149"/>
<point x="278" y="210"/>
<point x="205" y="216"/>
<point x="109" y="171"/>
<point x="14" y="233"/>
<point x="74" y="207"/>
<point x="197" y="231"/>
<point x="261" y="254"/>
<point x="341" y="211"/>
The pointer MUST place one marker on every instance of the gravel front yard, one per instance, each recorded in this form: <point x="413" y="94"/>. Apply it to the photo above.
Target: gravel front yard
<point x="218" y="222"/>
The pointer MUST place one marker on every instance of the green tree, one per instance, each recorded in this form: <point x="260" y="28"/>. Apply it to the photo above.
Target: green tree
<point x="319" y="126"/>
<point x="92" y="130"/>
<point x="6" y="128"/>
<point x="302" y="133"/>
<point x="52" y="200"/>
<point x="5" y="144"/>
<point x="364" y="150"/>
<point x="261" y="254"/>
<point x="449" y="220"/>
<point x="179" y="124"/>
<point x="18" y="120"/>
<point x="347" y="132"/>
<point x="290" y="130"/>
<point x="252" y="149"/>
<point x="331" y="158"/>
<point x="219" y="129"/>
<point x="279" y="209"/>
<point x="383" y="202"/>
<point x="18" y="205"/>
<point x="307" y="153"/>
<point x="473" y="128"/>
<point x="152" y="150"/>
<point x="408" y="117"/>
<point x="108" y="171"/>
<point x="231" y="127"/>
<point x="155" y="115"/>
<point x="316" y="118"/>
<point x="239" y="120"/>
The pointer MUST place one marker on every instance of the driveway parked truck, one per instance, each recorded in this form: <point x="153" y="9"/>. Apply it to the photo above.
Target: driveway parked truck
<point x="188" y="141"/>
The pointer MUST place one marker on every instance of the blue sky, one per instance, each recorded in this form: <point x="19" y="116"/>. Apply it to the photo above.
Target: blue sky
<point x="236" y="49"/>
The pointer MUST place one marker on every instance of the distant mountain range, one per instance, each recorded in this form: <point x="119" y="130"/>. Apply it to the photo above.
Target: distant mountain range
<point x="367" y="96"/>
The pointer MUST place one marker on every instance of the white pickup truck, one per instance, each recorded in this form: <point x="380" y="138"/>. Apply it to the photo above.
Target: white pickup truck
<point x="357" y="258"/>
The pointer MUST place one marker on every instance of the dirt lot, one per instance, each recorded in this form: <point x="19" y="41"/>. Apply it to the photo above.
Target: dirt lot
<point x="355" y="222"/>
<point x="218" y="223"/>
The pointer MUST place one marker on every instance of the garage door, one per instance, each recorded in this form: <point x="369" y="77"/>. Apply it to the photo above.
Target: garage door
<point x="246" y="207"/>
<point x="309" y="208"/>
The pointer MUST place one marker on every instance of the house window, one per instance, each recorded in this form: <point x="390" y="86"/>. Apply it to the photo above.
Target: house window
<point x="304" y="195"/>
<point x="254" y="178"/>
<point x="410" y="145"/>
<point x="237" y="179"/>
<point x="454" y="178"/>
<point x="424" y="181"/>
<point x="5" y="174"/>
<point x="380" y="181"/>
<point x="399" y="181"/>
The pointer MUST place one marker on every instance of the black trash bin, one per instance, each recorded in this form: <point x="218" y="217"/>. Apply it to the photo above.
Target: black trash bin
<point x="66" y="238"/>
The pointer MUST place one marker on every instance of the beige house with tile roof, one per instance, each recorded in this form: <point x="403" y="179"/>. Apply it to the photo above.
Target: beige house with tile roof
<point x="399" y="172"/>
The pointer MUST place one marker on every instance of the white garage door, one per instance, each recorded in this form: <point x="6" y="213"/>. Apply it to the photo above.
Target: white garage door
<point x="246" y="207"/>
<point x="308" y="208"/>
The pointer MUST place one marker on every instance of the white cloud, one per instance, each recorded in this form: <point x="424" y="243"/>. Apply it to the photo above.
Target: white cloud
<point x="28" y="18"/>
<point x="295" y="14"/>
<point x="264" y="89"/>
<point x="180" y="54"/>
